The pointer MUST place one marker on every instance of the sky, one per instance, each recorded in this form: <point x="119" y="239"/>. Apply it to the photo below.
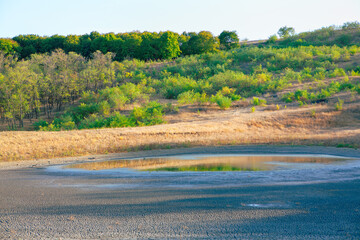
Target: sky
<point x="251" y="19"/>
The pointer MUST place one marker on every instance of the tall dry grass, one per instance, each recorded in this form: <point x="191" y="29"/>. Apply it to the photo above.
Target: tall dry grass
<point x="233" y="127"/>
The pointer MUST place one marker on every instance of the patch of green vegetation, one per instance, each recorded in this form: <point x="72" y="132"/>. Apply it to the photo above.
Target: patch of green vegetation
<point x="149" y="114"/>
<point x="204" y="168"/>
<point x="258" y="102"/>
<point x="339" y="105"/>
<point x="313" y="113"/>
<point x="306" y="95"/>
<point x="345" y="145"/>
<point x="222" y="101"/>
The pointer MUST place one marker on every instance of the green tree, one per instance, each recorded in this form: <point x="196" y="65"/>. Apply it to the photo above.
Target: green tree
<point x="20" y="92"/>
<point x="351" y="25"/>
<point x="60" y="81"/>
<point x="94" y="35"/>
<point x="169" y="45"/>
<point x="203" y="42"/>
<point x="53" y="42"/>
<point x="272" y="39"/>
<point x="72" y="44"/>
<point x="131" y="46"/>
<point x="99" y="72"/>
<point x="229" y="39"/>
<point x="116" y="46"/>
<point x="149" y="47"/>
<point x="285" y="32"/>
<point x="85" y="45"/>
<point x="9" y="46"/>
<point x="30" y="44"/>
<point x="103" y="43"/>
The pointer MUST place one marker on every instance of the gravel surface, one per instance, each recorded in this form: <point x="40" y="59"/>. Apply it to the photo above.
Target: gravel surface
<point x="45" y="202"/>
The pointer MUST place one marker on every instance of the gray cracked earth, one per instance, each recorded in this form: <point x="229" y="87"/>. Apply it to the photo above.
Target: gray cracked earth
<point x="308" y="202"/>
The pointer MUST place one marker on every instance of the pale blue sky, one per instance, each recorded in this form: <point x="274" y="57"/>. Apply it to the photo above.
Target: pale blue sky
<point x="252" y="19"/>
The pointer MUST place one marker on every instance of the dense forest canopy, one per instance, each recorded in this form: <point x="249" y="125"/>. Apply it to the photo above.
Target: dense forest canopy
<point x="140" y="45"/>
<point x="168" y="45"/>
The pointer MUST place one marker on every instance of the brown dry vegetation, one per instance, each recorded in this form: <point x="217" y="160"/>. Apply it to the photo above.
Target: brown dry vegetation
<point x="309" y="125"/>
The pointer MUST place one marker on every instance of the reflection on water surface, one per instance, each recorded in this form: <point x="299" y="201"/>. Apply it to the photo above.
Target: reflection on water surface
<point x="198" y="163"/>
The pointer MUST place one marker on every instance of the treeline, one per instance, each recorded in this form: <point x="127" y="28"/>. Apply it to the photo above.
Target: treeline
<point x="44" y="83"/>
<point x="168" y="45"/>
<point x="139" y="45"/>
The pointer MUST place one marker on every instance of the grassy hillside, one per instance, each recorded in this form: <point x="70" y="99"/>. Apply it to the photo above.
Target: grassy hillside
<point x="348" y="34"/>
<point x="276" y="95"/>
<point x="104" y="93"/>
<point x="101" y="92"/>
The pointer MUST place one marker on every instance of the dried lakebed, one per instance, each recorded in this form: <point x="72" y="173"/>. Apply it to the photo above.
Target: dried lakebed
<point x="214" y="193"/>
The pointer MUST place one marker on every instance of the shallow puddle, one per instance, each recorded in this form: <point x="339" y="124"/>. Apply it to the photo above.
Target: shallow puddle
<point x="210" y="163"/>
<point x="210" y="170"/>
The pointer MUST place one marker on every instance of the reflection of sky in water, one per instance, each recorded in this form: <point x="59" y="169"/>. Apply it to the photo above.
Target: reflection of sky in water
<point x="213" y="163"/>
<point x="282" y="171"/>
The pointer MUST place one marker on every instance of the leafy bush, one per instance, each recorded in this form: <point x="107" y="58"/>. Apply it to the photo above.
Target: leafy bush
<point x="288" y="97"/>
<point x="351" y="25"/>
<point x="135" y="93"/>
<point x="301" y="95"/>
<point x="190" y="97"/>
<point x="170" y="108"/>
<point x="324" y="94"/>
<point x="272" y="39"/>
<point x="114" y="96"/>
<point x="258" y="102"/>
<point x="338" y="72"/>
<point x="92" y="121"/>
<point x="65" y="122"/>
<point x="339" y="105"/>
<point x="117" y="120"/>
<point x="343" y="40"/>
<point x="104" y="108"/>
<point x="88" y="97"/>
<point x="244" y="84"/>
<point x="230" y="92"/>
<point x="173" y="86"/>
<point x="50" y="127"/>
<point x="313" y="113"/>
<point x="40" y="124"/>
<point x="222" y="101"/>
<point x="69" y="125"/>
<point x="150" y="114"/>
<point x="84" y="110"/>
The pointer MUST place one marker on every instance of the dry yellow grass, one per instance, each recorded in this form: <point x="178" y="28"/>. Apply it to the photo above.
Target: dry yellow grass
<point x="232" y="127"/>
